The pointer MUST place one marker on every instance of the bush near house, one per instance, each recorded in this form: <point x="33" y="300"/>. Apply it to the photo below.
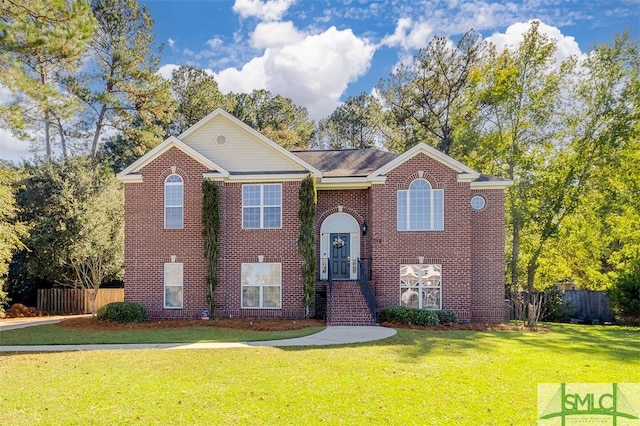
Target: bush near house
<point x="415" y="316"/>
<point x="123" y="312"/>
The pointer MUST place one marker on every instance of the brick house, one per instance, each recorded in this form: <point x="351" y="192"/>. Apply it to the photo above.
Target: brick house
<point x="418" y="229"/>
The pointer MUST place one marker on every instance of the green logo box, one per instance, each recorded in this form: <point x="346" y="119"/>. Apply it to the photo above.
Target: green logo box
<point x="567" y="404"/>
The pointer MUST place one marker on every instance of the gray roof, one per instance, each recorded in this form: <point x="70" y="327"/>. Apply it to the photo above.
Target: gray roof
<point x="346" y="162"/>
<point x="489" y="178"/>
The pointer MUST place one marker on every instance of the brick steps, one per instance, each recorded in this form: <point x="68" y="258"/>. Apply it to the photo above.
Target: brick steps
<point x="347" y="306"/>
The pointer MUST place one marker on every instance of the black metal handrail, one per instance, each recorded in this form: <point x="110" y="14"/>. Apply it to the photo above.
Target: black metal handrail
<point x="367" y="291"/>
<point x="330" y="289"/>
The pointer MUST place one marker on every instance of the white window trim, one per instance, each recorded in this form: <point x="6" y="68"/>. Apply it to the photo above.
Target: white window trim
<point x="261" y="289"/>
<point x="407" y="207"/>
<point x="181" y="205"/>
<point x="420" y="286"/>
<point x="262" y="206"/>
<point x="180" y="276"/>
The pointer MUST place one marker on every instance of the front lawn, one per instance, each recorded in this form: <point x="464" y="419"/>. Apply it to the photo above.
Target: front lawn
<point x="415" y="377"/>
<point x="56" y="334"/>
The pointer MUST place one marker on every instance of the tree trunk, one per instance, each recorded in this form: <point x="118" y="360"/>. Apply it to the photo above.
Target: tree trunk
<point x="63" y="140"/>
<point x="96" y="135"/>
<point x="532" y="268"/>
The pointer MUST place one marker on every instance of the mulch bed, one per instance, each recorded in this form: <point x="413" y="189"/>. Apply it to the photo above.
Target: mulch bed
<point x="18" y="310"/>
<point x="476" y="326"/>
<point x="93" y="323"/>
<point x="261" y="324"/>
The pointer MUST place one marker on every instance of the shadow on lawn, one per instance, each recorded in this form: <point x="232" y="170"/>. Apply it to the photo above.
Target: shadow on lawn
<point x="615" y="343"/>
<point x="612" y="342"/>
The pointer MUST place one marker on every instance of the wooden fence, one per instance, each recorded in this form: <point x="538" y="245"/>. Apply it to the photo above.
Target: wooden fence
<point x="75" y="300"/>
<point x="589" y="305"/>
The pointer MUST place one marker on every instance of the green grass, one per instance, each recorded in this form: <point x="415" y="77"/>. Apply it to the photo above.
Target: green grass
<point x="55" y="335"/>
<point x="415" y="377"/>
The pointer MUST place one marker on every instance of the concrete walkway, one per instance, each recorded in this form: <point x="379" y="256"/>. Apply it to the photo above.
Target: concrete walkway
<point x="13" y="323"/>
<point x="335" y="335"/>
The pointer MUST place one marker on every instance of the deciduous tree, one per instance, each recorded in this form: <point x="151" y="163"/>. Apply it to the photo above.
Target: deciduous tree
<point x="12" y="230"/>
<point x="76" y="211"/>
<point x="513" y="98"/>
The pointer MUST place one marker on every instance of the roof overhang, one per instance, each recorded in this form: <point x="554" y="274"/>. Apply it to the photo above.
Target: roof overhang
<point x="257" y="177"/>
<point x="337" y="183"/>
<point x="465" y="174"/>
<point x="132" y="173"/>
<point x="491" y="184"/>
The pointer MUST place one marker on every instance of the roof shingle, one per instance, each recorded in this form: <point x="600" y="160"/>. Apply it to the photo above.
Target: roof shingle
<point x="346" y="162"/>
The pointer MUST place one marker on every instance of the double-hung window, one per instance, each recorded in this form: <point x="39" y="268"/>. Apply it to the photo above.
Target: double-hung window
<point x="421" y="286"/>
<point x="420" y="208"/>
<point x="261" y="285"/>
<point x="173" y="282"/>
<point x="262" y="206"/>
<point x="173" y="202"/>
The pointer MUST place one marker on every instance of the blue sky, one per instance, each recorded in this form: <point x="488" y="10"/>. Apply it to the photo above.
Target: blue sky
<point x="318" y="52"/>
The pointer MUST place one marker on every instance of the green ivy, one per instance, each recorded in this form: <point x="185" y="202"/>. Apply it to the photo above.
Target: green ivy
<point x="307" y="241"/>
<point x="211" y="235"/>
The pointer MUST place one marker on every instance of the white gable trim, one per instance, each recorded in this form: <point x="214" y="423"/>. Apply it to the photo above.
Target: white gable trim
<point x="132" y="173"/>
<point x="497" y="184"/>
<point x="268" y="142"/>
<point x="466" y="174"/>
<point x="343" y="183"/>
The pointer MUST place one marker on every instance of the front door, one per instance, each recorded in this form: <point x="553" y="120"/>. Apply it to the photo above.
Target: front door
<point x="340" y="255"/>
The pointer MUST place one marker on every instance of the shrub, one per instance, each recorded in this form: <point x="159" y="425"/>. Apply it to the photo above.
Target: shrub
<point x="555" y="308"/>
<point x="447" y="317"/>
<point x="123" y="312"/>
<point x="625" y="294"/>
<point x="409" y="315"/>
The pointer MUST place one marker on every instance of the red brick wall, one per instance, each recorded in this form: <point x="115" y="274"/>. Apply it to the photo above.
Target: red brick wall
<point x="450" y="248"/>
<point x="470" y="248"/>
<point x="245" y="245"/>
<point x="488" y="258"/>
<point x="148" y="245"/>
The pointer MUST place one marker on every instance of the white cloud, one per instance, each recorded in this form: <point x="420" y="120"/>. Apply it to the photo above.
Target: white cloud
<point x="214" y="43"/>
<point x="171" y="42"/>
<point x="12" y="148"/>
<point x="270" y="10"/>
<point x="165" y="71"/>
<point x="275" y="34"/>
<point x="513" y="36"/>
<point x="409" y="35"/>
<point x="251" y="76"/>
<point x="313" y="71"/>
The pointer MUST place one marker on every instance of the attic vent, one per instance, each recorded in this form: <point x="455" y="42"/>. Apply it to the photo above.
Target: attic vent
<point x="221" y="140"/>
<point x="478" y="202"/>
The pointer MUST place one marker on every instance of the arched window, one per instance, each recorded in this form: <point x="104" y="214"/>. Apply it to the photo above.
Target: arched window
<point x="420" y="208"/>
<point x="173" y="202"/>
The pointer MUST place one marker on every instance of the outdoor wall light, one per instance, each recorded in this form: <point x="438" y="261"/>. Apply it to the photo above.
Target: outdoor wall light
<point x="364" y="228"/>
